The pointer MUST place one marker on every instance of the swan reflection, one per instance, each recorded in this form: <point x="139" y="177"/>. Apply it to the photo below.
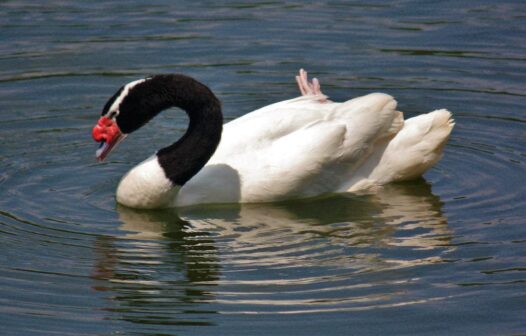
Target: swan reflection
<point x="157" y="271"/>
<point x="395" y="215"/>
<point x="172" y="262"/>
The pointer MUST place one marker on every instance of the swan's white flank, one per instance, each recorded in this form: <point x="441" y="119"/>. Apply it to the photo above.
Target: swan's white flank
<point x="303" y="147"/>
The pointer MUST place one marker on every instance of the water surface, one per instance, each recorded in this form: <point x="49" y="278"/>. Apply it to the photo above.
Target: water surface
<point x="441" y="255"/>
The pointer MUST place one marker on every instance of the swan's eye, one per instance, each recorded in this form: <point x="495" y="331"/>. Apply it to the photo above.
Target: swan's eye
<point x="112" y="115"/>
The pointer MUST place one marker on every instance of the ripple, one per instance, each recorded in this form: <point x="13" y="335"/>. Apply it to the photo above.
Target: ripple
<point x="409" y="259"/>
<point x="490" y="155"/>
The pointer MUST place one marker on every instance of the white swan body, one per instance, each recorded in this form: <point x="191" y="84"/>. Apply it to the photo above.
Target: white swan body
<point x="303" y="147"/>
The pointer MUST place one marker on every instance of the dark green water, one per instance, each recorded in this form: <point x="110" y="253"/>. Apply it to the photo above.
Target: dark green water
<point x="442" y="255"/>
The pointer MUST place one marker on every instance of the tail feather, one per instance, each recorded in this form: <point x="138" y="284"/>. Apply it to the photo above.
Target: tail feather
<point x="416" y="148"/>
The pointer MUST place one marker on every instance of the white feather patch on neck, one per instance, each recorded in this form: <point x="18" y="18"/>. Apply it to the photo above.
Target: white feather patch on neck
<point x="114" y="108"/>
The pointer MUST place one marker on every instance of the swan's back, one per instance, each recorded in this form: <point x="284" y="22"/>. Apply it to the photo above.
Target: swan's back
<point x="295" y="149"/>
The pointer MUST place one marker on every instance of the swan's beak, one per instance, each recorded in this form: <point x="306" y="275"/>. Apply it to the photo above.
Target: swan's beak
<point x="109" y="135"/>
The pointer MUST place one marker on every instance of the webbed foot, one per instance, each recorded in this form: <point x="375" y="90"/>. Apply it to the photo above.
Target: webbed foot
<point x="309" y="88"/>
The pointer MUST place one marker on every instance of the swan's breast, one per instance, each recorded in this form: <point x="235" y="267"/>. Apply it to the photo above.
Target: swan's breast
<point x="146" y="186"/>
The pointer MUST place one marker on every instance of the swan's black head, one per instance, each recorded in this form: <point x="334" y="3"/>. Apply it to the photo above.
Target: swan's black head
<point x="137" y="102"/>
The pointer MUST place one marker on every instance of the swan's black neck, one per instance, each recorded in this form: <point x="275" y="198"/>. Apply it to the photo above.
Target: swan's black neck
<point x="183" y="159"/>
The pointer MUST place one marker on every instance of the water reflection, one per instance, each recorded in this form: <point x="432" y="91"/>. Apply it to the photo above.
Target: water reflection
<point x="340" y="253"/>
<point x="158" y="271"/>
<point x="397" y="215"/>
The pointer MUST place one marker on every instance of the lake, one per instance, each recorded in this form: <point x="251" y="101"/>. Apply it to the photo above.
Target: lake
<point x="445" y="254"/>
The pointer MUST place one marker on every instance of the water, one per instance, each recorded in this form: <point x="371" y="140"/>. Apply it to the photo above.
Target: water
<point x="441" y="255"/>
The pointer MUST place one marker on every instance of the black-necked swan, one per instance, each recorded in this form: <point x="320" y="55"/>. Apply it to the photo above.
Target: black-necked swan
<point x="298" y="148"/>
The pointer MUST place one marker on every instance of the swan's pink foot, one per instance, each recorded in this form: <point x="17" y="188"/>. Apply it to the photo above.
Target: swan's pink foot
<point x="309" y="88"/>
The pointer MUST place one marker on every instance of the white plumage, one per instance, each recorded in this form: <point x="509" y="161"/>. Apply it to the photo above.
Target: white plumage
<point x="303" y="148"/>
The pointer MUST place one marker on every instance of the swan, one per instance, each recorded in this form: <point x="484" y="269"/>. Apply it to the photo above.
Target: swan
<point x="298" y="148"/>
